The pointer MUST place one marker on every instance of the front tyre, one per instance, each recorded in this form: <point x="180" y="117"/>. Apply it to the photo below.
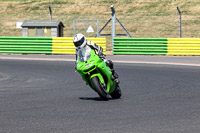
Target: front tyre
<point x="102" y="92"/>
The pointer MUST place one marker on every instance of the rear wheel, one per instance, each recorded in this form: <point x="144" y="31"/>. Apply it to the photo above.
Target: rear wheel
<point x="117" y="93"/>
<point x="100" y="89"/>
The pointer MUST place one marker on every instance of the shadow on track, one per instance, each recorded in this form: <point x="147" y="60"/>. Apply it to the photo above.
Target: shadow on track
<point x="94" y="98"/>
<point x="91" y="98"/>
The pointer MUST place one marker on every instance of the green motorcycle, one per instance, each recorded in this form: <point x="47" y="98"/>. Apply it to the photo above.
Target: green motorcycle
<point x="97" y="74"/>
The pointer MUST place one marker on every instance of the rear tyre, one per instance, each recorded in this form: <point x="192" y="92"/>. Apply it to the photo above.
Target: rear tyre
<point x="102" y="92"/>
<point x="117" y="93"/>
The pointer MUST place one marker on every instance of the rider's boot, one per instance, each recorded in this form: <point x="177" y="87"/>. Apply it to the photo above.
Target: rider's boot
<point x="114" y="74"/>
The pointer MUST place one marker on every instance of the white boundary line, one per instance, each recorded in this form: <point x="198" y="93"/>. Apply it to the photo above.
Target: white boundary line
<point x="159" y="63"/>
<point x="39" y="59"/>
<point x="117" y="61"/>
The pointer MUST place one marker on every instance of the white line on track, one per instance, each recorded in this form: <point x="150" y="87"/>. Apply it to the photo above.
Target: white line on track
<point x="159" y="63"/>
<point x="117" y="61"/>
<point x="40" y="59"/>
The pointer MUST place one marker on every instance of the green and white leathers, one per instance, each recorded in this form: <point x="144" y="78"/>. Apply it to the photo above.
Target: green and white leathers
<point x="96" y="74"/>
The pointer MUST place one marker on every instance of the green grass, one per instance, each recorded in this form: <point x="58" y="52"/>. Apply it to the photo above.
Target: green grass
<point x="21" y="0"/>
<point x="142" y="18"/>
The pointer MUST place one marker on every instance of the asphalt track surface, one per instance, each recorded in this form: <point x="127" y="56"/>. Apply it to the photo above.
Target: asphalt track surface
<point x="39" y="96"/>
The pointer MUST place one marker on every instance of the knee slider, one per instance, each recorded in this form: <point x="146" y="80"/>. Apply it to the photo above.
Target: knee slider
<point x="109" y="63"/>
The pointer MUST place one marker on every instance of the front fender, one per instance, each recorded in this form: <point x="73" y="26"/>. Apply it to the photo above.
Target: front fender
<point x="99" y="76"/>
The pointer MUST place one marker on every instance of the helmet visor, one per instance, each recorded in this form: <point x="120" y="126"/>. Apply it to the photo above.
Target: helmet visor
<point x="80" y="42"/>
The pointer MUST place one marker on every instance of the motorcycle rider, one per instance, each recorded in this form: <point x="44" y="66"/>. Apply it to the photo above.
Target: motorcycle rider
<point x="80" y="41"/>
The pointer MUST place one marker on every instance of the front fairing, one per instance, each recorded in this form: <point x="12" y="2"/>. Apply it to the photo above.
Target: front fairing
<point x="87" y="60"/>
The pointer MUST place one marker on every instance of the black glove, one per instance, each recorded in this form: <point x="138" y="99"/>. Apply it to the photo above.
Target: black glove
<point x="100" y="54"/>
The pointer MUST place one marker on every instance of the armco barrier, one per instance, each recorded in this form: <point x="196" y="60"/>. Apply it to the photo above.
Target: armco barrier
<point x="142" y="46"/>
<point x="183" y="46"/>
<point x="28" y="45"/>
<point x="64" y="45"/>
<point x="43" y="45"/>
<point x="157" y="46"/>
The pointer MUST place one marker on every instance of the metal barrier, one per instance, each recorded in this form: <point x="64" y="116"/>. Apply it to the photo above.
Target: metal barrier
<point x="28" y="45"/>
<point x="140" y="46"/>
<point x="157" y="46"/>
<point x="183" y="46"/>
<point x="64" y="45"/>
<point x="43" y="45"/>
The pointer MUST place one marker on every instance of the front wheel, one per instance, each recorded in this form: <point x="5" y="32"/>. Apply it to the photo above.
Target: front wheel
<point x="102" y="92"/>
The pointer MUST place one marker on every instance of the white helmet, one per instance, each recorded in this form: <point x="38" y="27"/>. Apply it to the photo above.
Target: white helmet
<point x="79" y="40"/>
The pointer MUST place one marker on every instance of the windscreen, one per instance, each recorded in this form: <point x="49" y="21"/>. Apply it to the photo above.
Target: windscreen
<point x="84" y="53"/>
